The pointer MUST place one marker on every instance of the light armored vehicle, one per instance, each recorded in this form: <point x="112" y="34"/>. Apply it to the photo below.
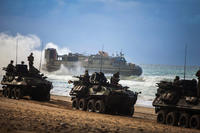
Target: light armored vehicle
<point x="178" y="103"/>
<point x="102" y="97"/>
<point x="24" y="82"/>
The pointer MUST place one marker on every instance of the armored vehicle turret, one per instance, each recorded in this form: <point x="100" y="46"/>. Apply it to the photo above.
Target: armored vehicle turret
<point x="23" y="82"/>
<point x="178" y="103"/>
<point x="96" y="94"/>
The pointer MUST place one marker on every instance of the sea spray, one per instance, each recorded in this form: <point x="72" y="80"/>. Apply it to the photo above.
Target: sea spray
<point x="26" y="44"/>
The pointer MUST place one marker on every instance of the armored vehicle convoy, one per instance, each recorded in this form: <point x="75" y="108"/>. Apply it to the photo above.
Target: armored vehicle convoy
<point x="178" y="103"/>
<point x="23" y="82"/>
<point x="94" y="94"/>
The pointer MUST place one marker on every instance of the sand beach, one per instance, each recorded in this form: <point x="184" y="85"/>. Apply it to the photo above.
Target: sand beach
<point x="27" y="116"/>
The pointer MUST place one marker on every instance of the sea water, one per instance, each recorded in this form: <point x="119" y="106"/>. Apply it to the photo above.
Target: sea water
<point x="146" y="83"/>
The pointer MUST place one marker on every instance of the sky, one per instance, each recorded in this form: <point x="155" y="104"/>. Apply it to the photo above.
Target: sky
<point x="147" y="31"/>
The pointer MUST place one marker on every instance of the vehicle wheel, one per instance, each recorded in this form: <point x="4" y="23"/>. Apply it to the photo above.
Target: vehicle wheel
<point x="13" y="93"/>
<point x="18" y="93"/>
<point x="161" y="116"/>
<point x="90" y="105"/>
<point x="44" y="97"/>
<point x="99" y="106"/>
<point x="33" y="97"/>
<point x="82" y="104"/>
<point x="48" y="96"/>
<point x="75" y="103"/>
<point x="130" y="111"/>
<point x="10" y="78"/>
<point x="195" y="122"/>
<point x="4" y="91"/>
<point x="8" y="92"/>
<point x="184" y="120"/>
<point x="171" y="119"/>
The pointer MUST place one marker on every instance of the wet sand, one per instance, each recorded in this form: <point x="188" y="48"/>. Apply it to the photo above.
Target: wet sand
<point x="27" y="116"/>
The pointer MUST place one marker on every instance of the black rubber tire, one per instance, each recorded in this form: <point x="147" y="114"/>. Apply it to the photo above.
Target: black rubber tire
<point x="75" y="103"/>
<point x="13" y="93"/>
<point x="36" y="98"/>
<point x="171" y="119"/>
<point x="10" y="78"/>
<point x="91" y="105"/>
<point x="4" y="92"/>
<point x="82" y="104"/>
<point x="45" y="97"/>
<point x="131" y="111"/>
<point x="18" y="93"/>
<point x="32" y="97"/>
<point x="99" y="106"/>
<point x="127" y="110"/>
<point x="194" y="122"/>
<point x="8" y="92"/>
<point x="48" y="97"/>
<point x="161" y="117"/>
<point x="184" y="120"/>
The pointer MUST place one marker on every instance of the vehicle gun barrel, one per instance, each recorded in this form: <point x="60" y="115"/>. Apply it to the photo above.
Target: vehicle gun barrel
<point x="138" y="93"/>
<point x="70" y="82"/>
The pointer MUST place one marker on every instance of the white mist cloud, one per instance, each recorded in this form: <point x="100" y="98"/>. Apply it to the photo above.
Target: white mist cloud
<point x="60" y="51"/>
<point x="26" y="45"/>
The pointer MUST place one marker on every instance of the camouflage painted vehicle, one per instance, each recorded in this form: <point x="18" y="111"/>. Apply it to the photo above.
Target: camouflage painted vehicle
<point x="178" y="103"/>
<point x="103" y="98"/>
<point x="24" y="82"/>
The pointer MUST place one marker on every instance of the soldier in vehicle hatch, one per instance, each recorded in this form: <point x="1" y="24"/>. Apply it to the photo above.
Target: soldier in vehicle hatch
<point x="102" y="79"/>
<point x="86" y="77"/>
<point x="30" y="60"/>
<point x="10" y="68"/>
<point x="176" y="80"/>
<point x="198" y="75"/>
<point x="115" y="79"/>
<point x="32" y="70"/>
<point x="94" y="78"/>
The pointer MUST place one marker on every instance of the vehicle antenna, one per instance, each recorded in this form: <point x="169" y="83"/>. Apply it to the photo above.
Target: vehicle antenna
<point x="16" y="50"/>
<point x="120" y="60"/>
<point x="185" y="61"/>
<point x="41" y="57"/>
<point x="101" y="59"/>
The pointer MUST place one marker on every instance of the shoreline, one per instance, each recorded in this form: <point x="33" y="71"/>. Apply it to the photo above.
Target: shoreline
<point x="136" y="105"/>
<point x="142" y="105"/>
